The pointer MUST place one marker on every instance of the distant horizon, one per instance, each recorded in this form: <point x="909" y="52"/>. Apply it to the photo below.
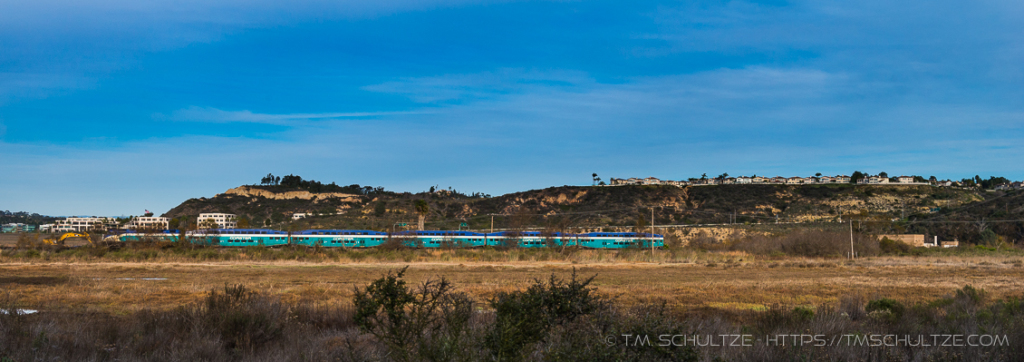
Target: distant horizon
<point x="113" y="106"/>
<point x="427" y="189"/>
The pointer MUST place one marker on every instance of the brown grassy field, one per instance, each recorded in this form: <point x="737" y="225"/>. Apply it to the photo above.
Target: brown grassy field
<point x="731" y="281"/>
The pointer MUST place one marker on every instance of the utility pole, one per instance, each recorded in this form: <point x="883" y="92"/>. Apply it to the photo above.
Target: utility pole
<point x="492" y="223"/>
<point x="652" y="232"/>
<point x="851" y="239"/>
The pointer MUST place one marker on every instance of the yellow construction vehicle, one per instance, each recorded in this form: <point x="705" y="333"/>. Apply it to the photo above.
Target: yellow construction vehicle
<point x="60" y="240"/>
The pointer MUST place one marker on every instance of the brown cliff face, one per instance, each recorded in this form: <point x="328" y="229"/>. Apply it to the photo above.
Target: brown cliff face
<point x="588" y="207"/>
<point x="248" y="191"/>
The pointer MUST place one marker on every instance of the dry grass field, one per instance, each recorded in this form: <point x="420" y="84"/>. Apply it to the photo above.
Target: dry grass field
<point x="145" y="302"/>
<point x="726" y="281"/>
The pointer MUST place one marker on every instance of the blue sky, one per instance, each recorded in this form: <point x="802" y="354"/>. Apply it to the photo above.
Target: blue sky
<point x="114" y="107"/>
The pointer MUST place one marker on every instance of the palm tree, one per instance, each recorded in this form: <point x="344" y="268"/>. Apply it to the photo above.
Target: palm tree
<point x="422" y="208"/>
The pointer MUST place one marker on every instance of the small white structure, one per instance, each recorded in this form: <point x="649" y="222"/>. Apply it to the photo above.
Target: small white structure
<point x="299" y="215"/>
<point x="217" y="220"/>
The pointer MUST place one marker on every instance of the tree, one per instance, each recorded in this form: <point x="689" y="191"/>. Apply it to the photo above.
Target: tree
<point x="883" y="174"/>
<point x="208" y="224"/>
<point x="422" y="208"/>
<point x="817" y="174"/>
<point x="594" y="177"/>
<point x="380" y="209"/>
<point x="857" y="176"/>
<point x="269" y="179"/>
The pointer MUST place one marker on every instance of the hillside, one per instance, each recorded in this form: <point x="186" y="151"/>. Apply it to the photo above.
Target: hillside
<point x="578" y="206"/>
<point x="998" y="218"/>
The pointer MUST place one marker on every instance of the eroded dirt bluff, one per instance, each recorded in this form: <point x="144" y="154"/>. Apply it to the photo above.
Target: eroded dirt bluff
<point x="586" y="206"/>
<point x="304" y="195"/>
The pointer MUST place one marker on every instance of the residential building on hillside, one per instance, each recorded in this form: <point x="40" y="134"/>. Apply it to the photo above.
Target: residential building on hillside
<point x="875" y="180"/>
<point x="796" y="180"/>
<point x="148" y="223"/>
<point x="217" y="220"/>
<point x="79" y="224"/>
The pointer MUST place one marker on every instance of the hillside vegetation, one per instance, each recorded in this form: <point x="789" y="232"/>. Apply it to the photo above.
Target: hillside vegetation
<point x="588" y="207"/>
<point x="993" y="222"/>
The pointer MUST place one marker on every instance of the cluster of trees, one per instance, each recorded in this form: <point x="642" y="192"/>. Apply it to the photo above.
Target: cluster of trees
<point x="296" y="182"/>
<point x="457" y="194"/>
<point x="977" y="181"/>
<point x="23" y="217"/>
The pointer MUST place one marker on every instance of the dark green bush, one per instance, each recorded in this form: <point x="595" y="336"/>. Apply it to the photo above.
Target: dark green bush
<point x="895" y="247"/>
<point x="526" y="317"/>
<point x="430" y="322"/>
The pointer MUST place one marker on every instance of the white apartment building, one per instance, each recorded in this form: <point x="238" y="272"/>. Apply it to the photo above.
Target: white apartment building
<point x="220" y="221"/>
<point x="148" y="223"/>
<point x="78" y="224"/>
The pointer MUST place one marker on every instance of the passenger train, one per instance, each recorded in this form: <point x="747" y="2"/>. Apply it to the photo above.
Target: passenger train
<point x="416" y="239"/>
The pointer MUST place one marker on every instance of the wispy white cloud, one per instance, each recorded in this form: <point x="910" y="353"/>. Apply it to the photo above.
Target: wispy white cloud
<point x="208" y="114"/>
<point x="15" y="85"/>
<point x="483" y="85"/>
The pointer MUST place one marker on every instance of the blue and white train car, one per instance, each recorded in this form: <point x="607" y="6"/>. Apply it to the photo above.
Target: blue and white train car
<point x="238" y="237"/>
<point x="603" y="240"/>
<point x="441" y="238"/>
<point x="415" y="239"/>
<point x="596" y="240"/>
<point x="137" y="235"/>
<point x="340" y="238"/>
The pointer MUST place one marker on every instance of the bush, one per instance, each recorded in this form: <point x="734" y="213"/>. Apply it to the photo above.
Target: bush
<point x="811" y="243"/>
<point x="885" y="309"/>
<point x="243" y="319"/>
<point x="895" y="247"/>
<point x="526" y="317"/>
<point x="430" y="322"/>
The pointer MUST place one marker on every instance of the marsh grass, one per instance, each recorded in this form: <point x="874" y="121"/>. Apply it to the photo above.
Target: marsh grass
<point x="569" y="319"/>
<point x="165" y="252"/>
